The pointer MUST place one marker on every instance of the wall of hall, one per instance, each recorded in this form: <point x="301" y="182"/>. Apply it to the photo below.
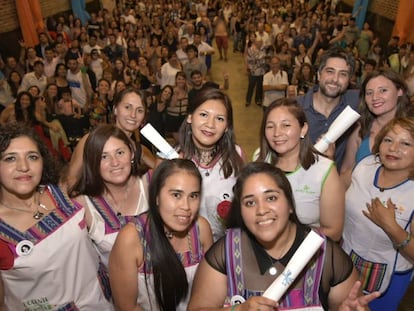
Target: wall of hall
<point x="384" y="8"/>
<point x="380" y="16"/>
<point x="9" y="22"/>
<point x="8" y="16"/>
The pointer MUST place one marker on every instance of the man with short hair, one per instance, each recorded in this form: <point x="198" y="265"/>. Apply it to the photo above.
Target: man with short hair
<point x="36" y="77"/>
<point x="113" y="50"/>
<point x="263" y="35"/>
<point x="44" y="41"/>
<point x="79" y="83"/>
<point x="275" y="82"/>
<point x="303" y="37"/>
<point x="203" y="47"/>
<point x="324" y="102"/>
<point x="194" y="63"/>
<point x="12" y="65"/>
<point x="92" y="44"/>
<point x="181" y="52"/>
<point x="50" y="62"/>
<point x="199" y="83"/>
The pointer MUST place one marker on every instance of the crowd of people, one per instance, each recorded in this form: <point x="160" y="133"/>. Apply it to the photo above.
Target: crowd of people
<point x="86" y="202"/>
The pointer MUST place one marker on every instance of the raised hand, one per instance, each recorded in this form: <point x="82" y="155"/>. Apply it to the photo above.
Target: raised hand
<point x="356" y="302"/>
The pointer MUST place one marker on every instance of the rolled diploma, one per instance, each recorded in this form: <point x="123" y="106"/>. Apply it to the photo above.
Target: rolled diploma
<point x="343" y="122"/>
<point x="150" y="133"/>
<point x="304" y="253"/>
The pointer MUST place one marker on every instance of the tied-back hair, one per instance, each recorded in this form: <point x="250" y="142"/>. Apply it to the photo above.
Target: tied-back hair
<point x="170" y="280"/>
<point x="407" y="123"/>
<point x="231" y="161"/>
<point x="307" y="154"/>
<point x="135" y="136"/>
<point x="120" y="96"/>
<point x="235" y="219"/>
<point x="51" y="168"/>
<point x="90" y="181"/>
<point x="404" y="107"/>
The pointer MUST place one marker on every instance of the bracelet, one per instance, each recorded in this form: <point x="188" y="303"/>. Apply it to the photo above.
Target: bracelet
<point x="404" y="243"/>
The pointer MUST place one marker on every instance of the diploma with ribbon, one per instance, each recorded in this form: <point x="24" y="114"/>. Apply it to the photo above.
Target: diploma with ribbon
<point x="167" y="151"/>
<point x="343" y="122"/>
<point x="303" y="254"/>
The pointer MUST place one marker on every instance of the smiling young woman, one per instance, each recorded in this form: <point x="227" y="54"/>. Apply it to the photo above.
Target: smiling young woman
<point x="265" y="233"/>
<point x="207" y="138"/>
<point x="154" y="259"/>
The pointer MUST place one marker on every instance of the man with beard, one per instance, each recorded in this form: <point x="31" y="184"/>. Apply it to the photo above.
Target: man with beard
<point x="326" y="101"/>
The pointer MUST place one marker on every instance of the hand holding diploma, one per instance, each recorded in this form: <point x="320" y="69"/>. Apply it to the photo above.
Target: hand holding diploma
<point x="341" y="124"/>
<point x="304" y="253"/>
<point x="150" y="133"/>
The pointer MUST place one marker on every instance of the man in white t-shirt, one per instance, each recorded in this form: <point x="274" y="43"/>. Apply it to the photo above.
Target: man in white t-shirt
<point x="92" y="44"/>
<point x="78" y="82"/>
<point x="263" y="35"/>
<point x="275" y="82"/>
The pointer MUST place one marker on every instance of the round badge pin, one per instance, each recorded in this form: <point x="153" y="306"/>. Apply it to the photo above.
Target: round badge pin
<point x="237" y="300"/>
<point x="272" y="271"/>
<point x="24" y="248"/>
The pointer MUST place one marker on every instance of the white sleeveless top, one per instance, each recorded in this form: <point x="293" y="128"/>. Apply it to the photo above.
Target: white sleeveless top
<point x="307" y="187"/>
<point x="106" y="223"/>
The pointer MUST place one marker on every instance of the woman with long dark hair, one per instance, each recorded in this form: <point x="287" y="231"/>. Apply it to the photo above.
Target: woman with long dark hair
<point x="207" y="138"/>
<point x="153" y="261"/>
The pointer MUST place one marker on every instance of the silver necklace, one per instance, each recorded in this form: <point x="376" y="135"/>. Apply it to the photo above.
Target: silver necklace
<point x="205" y="156"/>
<point x="37" y="214"/>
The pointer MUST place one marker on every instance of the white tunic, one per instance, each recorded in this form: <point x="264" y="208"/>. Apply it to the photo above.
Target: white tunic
<point x="59" y="269"/>
<point x="215" y="190"/>
<point x="105" y="224"/>
<point x="362" y="236"/>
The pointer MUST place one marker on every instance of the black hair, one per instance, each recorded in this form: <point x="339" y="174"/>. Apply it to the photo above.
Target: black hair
<point x="337" y="52"/>
<point x="170" y="280"/>
<point x="226" y="145"/>
<point x="235" y="219"/>
<point x="51" y="169"/>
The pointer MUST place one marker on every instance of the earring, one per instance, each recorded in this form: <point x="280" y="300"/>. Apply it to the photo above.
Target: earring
<point x="377" y="158"/>
<point x="132" y="161"/>
<point x="302" y="136"/>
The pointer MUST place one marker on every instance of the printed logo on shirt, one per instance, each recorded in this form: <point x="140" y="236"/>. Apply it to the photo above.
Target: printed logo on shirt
<point x="37" y="304"/>
<point x="306" y="189"/>
<point x="74" y="84"/>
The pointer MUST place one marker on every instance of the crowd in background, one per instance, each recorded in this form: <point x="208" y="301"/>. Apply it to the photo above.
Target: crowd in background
<point x="76" y="70"/>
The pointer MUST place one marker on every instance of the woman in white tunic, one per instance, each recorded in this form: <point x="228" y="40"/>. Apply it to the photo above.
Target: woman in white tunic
<point x="109" y="187"/>
<point x="49" y="259"/>
<point x="379" y="212"/>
